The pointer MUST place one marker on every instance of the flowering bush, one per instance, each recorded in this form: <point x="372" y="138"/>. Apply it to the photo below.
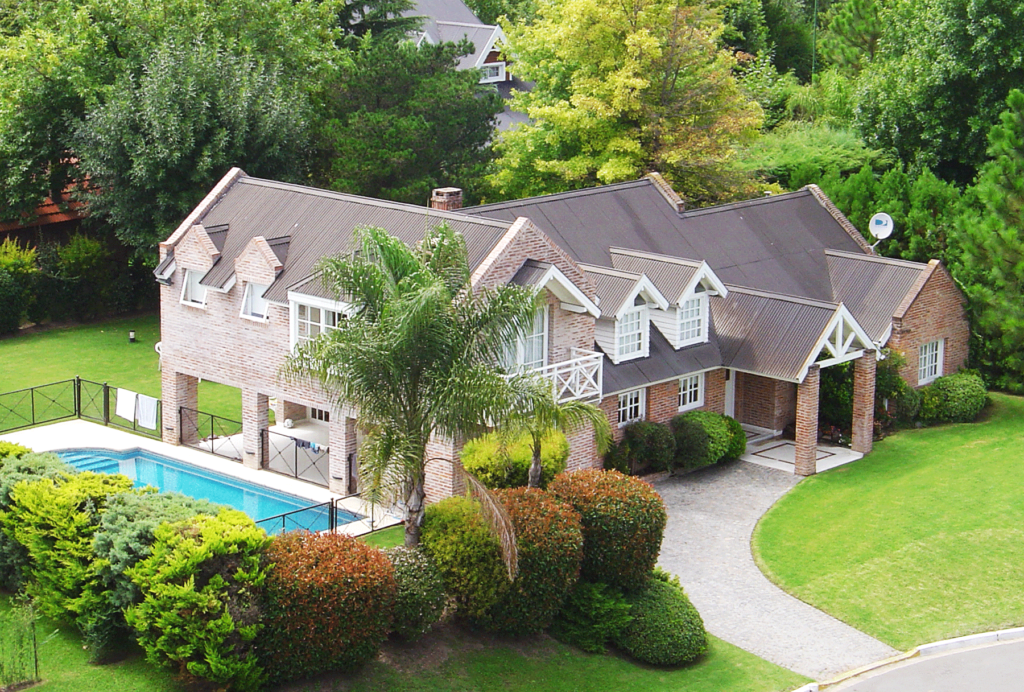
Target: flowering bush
<point x="420" y="599"/>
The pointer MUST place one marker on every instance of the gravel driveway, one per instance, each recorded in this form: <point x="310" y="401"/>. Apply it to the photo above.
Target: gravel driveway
<point x="711" y="515"/>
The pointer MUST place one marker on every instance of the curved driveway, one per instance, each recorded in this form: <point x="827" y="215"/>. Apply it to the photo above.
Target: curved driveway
<point x="711" y="515"/>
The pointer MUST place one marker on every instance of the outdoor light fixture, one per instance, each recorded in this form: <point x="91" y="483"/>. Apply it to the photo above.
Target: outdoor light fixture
<point x="131" y="336"/>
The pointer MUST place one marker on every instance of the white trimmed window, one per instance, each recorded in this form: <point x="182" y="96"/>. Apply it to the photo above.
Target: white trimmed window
<point x="693" y="324"/>
<point x="630" y="332"/>
<point x="691" y="392"/>
<point x="929" y="361"/>
<point x="192" y="292"/>
<point x="254" y="305"/>
<point x="534" y="349"/>
<point x="312" y="322"/>
<point x="632" y="406"/>
<point x="492" y="72"/>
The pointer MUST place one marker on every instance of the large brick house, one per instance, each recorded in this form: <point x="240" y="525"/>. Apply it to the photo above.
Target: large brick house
<point x="649" y="309"/>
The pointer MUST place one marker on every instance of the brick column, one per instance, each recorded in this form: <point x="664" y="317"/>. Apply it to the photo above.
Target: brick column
<point x="807" y="423"/>
<point x="255" y="419"/>
<point x="864" y="402"/>
<point x="582" y="450"/>
<point x="442" y="480"/>
<point x="178" y="389"/>
<point x="342" y="443"/>
<point x="288" y="409"/>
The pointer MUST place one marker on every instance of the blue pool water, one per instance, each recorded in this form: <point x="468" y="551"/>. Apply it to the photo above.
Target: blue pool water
<point x="163" y="473"/>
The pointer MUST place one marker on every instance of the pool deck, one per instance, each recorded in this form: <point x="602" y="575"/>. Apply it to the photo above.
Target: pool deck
<point x="80" y="434"/>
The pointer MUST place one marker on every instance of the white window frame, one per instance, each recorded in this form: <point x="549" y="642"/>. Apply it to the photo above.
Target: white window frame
<point x="248" y="312"/>
<point x="489" y="79"/>
<point x="632" y="406"/>
<point x="641" y="350"/>
<point x="691" y="391"/>
<point x="322" y="322"/>
<point x="541" y="317"/>
<point x="696" y="302"/>
<point x="929" y="361"/>
<point x="187" y="279"/>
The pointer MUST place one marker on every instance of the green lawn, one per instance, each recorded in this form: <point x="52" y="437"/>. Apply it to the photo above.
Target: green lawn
<point x="921" y="540"/>
<point x="387" y="538"/>
<point x="101" y="352"/>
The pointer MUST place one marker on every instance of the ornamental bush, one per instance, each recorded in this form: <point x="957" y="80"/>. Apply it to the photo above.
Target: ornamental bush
<point x="665" y="630"/>
<point x="421" y="597"/>
<point x="645" y="447"/>
<point x="692" y="450"/>
<point x="720" y="437"/>
<point x="549" y="543"/>
<point x="623" y="522"/>
<point x="10" y="449"/>
<point x="124" y="537"/>
<point x="201" y="588"/>
<point x="13" y="470"/>
<point x="54" y="519"/>
<point x="328" y="604"/>
<point x="593" y="615"/>
<point x="737" y="440"/>
<point x="510" y="468"/>
<point x="957" y="398"/>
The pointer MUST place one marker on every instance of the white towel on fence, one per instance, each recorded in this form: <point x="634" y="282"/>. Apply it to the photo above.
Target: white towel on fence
<point x="147" y="411"/>
<point x="126" y="404"/>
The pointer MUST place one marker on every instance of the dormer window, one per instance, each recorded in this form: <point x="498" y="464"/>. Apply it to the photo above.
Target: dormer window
<point x="693" y="323"/>
<point x="192" y="292"/>
<point x="631" y="332"/>
<point x="254" y="305"/>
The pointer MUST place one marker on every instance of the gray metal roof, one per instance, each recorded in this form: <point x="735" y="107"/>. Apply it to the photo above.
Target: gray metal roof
<point x="614" y="287"/>
<point x="530" y="273"/>
<point x="769" y="334"/>
<point x="663" y="364"/>
<point x="670" y="275"/>
<point x="772" y="243"/>
<point x="320" y="223"/>
<point x="871" y="287"/>
<point x="443" y="10"/>
<point x="478" y="34"/>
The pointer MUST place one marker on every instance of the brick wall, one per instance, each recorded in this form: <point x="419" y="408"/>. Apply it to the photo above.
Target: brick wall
<point x="936" y="313"/>
<point x="764" y="402"/>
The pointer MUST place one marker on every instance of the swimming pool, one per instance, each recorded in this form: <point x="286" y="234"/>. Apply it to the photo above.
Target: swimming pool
<point x="164" y="473"/>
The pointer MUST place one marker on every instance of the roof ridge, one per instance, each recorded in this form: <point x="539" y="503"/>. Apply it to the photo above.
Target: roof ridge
<point x="800" y="300"/>
<point x="895" y="261"/>
<point x="371" y="202"/>
<point x="742" y="204"/>
<point x="828" y="205"/>
<point x="481" y="25"/>
<point x="610" y="271"/>
<point x="654" y="256"/>
<point x="583" y="192"/>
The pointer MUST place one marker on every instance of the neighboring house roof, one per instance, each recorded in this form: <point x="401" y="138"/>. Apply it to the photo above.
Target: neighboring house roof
<point x="872" y="287"/>
<point x="482" y="37"/>
<point x="773" y="243"/>
<point x="46" y="214"/>
<point x="443" y="10"/>
<point x="509" y="118"/>
<point x="304" y="224"/>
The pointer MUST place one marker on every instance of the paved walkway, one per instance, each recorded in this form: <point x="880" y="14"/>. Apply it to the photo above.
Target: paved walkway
<point x="711" y="515"/>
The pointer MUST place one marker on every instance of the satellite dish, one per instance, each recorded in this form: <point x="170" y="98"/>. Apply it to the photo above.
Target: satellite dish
<point x="881" y="226"/>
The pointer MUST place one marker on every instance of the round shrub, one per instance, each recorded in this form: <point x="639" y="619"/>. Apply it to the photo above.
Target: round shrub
<point x="328" y="604"/>
<point x="420" y="599"/>
<point x="623" y="522"/>
<point x="958" y="398"/>
<point x="549" y="544"/>
<point x="718" y="432"/>
<point x="200" y="609"/>
<point x="665" y="630"/>
<point x="738" y="439"/>
<point x="593" y="615"/>
<point x="691" y="443"/>
<point x="510" y="468"/>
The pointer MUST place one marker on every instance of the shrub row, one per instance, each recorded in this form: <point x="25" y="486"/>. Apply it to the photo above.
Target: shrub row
<point x="691" y="440"/>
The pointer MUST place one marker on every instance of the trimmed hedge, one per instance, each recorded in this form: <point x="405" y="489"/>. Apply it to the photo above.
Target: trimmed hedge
<point x="200" y="609"/>
<point x="957" y="398"/>
<point x="623" y="523"/>
<point x="328" y="604"/>
<point x="665" y="630"/>
<point x="738" y="441"/>
<point x="719" y="438"/>
<point x="549" y="542"/>
<point x="593" y="615"/>
<point x="421" y="597"/>
<point x="484" y="458"/>
<point x="692" y="444"/>
<point x="645" y="447"/>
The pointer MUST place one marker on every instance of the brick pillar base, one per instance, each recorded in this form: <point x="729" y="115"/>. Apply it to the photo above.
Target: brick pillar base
<point x="583" y="450"/>
<point x="177" y="390"/>
<point x="807" y="424"/>
<point x="255" y="419"/>
<point x="864" y="402"/>
<point x="343" y="447"/>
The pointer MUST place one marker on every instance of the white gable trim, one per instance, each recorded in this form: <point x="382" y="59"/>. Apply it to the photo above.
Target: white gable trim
<point x="555" y="280"/>
<point x="705" y="275"/>
<point x="496" y="35"/>
<point x="645" y="287"/>
<point x="843" y="339"/>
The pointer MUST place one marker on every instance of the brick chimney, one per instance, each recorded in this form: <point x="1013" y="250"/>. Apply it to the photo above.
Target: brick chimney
<point x="446" y="198"/>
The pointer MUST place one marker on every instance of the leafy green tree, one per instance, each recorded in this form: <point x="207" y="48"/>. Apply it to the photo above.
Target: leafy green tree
<point x="418" y="356"/>
<point x="160" y="141"/>
<point x="515" y="11"/>
<point x="622" y="90"/>
<point x="989" y="251"/>
<point x="386" y="19"/>
<point x="853" y="33"/>
<point x="402" y="119"/>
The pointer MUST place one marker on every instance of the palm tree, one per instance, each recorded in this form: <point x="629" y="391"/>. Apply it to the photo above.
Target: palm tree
<point x="417" y="355"/>
<point x="543" y="412"/>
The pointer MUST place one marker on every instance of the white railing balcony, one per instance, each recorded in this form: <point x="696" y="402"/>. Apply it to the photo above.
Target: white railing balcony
<point x="576" y="378"/>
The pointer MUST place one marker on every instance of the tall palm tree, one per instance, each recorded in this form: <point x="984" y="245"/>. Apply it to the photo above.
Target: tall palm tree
<point x="542" y="412"/>
<point x="417" y="355"/>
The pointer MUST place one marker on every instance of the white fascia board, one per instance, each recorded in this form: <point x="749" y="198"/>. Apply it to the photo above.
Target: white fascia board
<point x="226" y="287"/>
<point x="318" y="302"/>
<point x="884" y="340"/>
<point x="566" y="291"/>
<point x="643" y="286"/>
<point x="842" y="314"/>
<point x="704" y="275"/>
<point x="496" y="35"/>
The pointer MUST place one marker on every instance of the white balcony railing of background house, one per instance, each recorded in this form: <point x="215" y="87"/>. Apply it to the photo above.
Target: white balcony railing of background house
<point x="576" y="378"/>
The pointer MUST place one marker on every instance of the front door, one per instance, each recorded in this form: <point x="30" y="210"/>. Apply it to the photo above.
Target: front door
<point x="730" y="393"/>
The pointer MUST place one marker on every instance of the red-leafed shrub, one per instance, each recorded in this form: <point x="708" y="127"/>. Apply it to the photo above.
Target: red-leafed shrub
<point x="549" y="543"/>
<point x="623" y="524"/>
<point x="328" y="604"/>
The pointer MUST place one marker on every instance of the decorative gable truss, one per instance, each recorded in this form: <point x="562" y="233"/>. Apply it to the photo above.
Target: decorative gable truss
<point x="842" y="340"/>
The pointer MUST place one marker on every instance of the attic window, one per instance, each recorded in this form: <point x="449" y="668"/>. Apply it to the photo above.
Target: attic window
<point x="492" y="72"/>
<point x="192" y="292"/>
<point x="693" y="324"/>
<point x="254" y="305"/>
<point x="630" y="330"/>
